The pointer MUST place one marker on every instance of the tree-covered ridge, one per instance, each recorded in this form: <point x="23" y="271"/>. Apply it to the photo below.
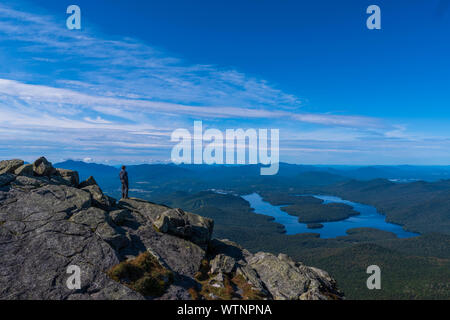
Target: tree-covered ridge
<point x="418" y="206"/>
<point x="414" y="268"/>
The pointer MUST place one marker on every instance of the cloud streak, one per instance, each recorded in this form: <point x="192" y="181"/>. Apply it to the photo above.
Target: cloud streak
<point x="121" y="107"/>
<point x="129" y="67"/>
<point x="88" y="95"/>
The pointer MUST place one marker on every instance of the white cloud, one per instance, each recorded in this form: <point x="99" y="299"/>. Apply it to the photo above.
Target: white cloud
<point x="127" y="108"/>
<point x="130" y="68"/>
<point x="98" y="120"/>
<point x="123" y="98"/>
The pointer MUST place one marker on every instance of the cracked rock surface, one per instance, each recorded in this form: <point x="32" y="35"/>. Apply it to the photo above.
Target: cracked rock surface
<point x="50" y="221"/>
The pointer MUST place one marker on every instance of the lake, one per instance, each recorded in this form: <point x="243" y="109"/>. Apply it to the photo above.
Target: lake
<point x="368" y="217"/>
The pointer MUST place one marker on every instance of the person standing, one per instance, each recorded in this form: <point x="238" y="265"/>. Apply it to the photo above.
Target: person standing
<point x="124" y="179"/>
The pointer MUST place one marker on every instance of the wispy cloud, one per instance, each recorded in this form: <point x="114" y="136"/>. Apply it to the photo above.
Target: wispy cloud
<point x="129" y="67"/>
<point x="88" y="95"/>
<point x="76" y="102"/>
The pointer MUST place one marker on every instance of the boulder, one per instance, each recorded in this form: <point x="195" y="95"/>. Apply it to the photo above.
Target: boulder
<point x="186" y="225"/>
<point x="172" y="221"/>
<point x="24" y="170"/>
<point x="9" y="166"/>
<point x="226" y="252"/>
<point x="143" y="211"/>
<point x="229" y="248"/>
<point x="252" y="278"/>
<point x="6" y="178"/>
<point x="286" y="279"/>
<point x="42" y="167"/>
<point x="88" y="182"/>
<point x="179" y="255"/>
<point x="70" y="176"/>
<point x="177" y="222"/>
<point x="222" y="264"/>
<point x="112" y="201"/>
<point x="29" y="183"/>
<point x="119" y="216"/>
<point x="99" y="200"/>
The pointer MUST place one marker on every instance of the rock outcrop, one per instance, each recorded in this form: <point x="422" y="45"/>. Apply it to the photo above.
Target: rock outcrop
<point x="9" y="166"/>
<point x="127" y="249"/>
<point x="70" y="176"/>
<point x="42" y="167"/>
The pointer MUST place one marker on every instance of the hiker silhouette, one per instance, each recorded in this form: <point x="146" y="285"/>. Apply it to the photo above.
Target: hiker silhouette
<point x="124" y="179"/>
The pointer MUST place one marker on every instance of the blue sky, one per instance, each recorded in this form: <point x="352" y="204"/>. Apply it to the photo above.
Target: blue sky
<point x="115" y="90"/>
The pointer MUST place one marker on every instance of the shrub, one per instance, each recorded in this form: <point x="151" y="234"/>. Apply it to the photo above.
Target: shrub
<point x="143" y="274"/>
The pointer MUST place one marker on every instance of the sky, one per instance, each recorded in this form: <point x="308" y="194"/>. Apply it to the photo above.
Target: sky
<point x="114" y="91"/>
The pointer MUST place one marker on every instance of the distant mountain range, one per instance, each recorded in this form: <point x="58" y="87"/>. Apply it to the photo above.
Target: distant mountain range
<point x="315" y="174"/>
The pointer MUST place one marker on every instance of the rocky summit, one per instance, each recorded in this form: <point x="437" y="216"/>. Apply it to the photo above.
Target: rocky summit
<point x="127" y="249"/>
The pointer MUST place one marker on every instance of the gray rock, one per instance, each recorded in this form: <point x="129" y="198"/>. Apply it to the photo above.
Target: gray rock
<point x="192" y="227"/>
<point x="98" y="198"/>
<point x="29" y="183"/>
<point x="288" y="280"/>
<point x="70" y="176"/>
<point x="24" y="170"/>
<point x="44" y="203"/>
<point x="99" y="222"/>
<point x="176" y="292"/>
<point x="88" y="182"/>
<point x="9" y="166"/>
<point x="92" y="217"/>
<point x="112" y="201"/>
<point x="252" y="278"/>
<point x="6" y="178"/>
<point x="38" y="243"/>
<point x="119" y="217"/>
<point x="222" y="264"/>
<point x="174" y="221"/>
<point x="179" y="255"/>
<point x="186" y="225"/>
<point x="142" y="211"/>
<point x="42" y="167"/>
<point x="111" y="235"/>
<point x="229" y="248"/>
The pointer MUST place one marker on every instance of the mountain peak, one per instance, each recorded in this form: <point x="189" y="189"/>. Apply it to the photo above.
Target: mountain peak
<point x="127" y="249"/>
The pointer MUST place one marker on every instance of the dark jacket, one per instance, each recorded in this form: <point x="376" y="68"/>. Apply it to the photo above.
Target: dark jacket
<point x="123" y="176"/>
